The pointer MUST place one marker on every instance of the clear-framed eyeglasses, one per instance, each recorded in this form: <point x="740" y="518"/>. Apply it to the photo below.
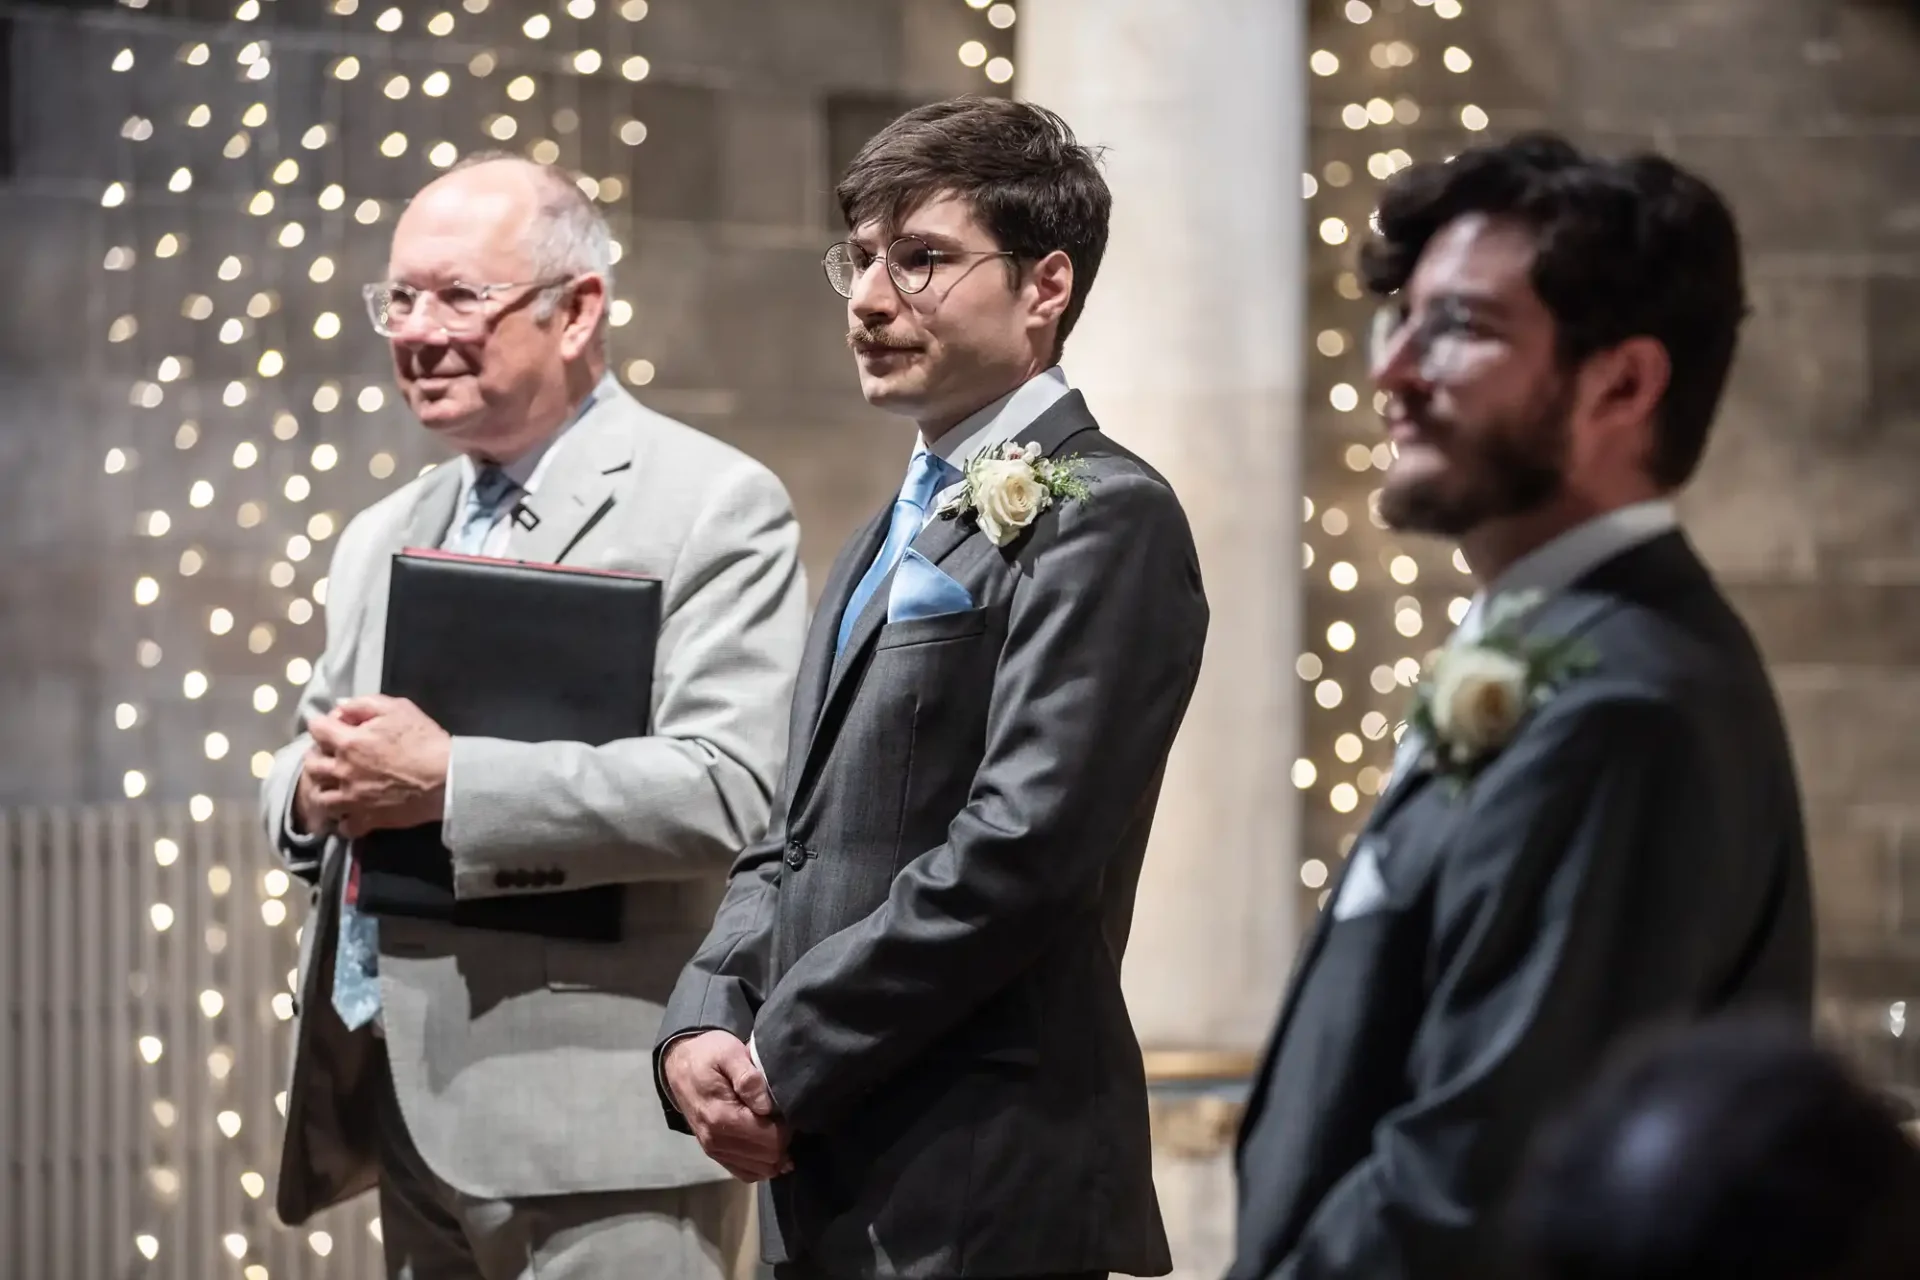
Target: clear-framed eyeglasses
<point x="462" y="310"/>
<point x="1438" y="339"/>
<point x="910" y="263"/>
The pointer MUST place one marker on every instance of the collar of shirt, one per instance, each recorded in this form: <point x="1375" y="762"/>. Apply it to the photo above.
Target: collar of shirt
<point x="527" y="470"/>
<point x="1001" y="421"/>
<point x="1566" y="559"/>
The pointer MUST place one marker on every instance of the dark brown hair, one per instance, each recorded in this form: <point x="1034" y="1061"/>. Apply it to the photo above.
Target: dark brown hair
<point x="1028" y="181"/>
<point x="1623" y="248"/>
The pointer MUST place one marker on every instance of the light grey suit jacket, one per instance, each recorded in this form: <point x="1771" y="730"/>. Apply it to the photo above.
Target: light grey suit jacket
<point x="522" y="1064"/>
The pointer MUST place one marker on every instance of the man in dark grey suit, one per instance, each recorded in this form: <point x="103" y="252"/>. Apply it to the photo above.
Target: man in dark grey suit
<point x="1593" y="823"/>
<point x="908" y="1012"/>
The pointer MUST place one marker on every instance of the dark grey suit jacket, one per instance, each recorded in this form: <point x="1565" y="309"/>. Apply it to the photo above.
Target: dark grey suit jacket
<point x="926" y="947"/>
<point x="1635" y="855"/>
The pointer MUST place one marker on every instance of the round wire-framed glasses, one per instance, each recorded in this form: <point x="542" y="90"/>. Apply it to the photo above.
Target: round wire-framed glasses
<point x="910" y="263"/>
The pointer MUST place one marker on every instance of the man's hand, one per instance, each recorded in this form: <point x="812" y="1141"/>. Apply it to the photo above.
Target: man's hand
<point x="727" y="1104"/>
<point x="310" y="814"/>
<point x="377" y="763"/>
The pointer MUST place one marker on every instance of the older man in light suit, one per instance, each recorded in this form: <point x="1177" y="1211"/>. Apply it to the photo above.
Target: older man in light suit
<point x="495" y="1085"/>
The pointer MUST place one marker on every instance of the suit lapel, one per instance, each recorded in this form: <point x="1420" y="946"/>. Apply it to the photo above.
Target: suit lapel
<point x="432" y="512"/>
<point x="579" y="488"/>
<point x="818" y="662"/>
<point x="1411" y="769"/>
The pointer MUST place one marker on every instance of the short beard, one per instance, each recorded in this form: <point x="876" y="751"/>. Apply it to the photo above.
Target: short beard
<point x="1512" y="470"/>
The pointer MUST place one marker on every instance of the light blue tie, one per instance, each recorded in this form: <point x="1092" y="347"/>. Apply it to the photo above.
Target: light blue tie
<point x="927" y="474"/>
<point x="356" y="963"/>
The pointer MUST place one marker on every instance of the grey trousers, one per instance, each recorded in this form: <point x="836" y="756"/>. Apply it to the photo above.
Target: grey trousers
<point x="431" y="1231"/>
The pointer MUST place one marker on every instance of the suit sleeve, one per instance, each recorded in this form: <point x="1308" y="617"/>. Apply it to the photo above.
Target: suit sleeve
<point x="304" y="852"/>
<point x="682" y="802"/>
<point x="1103" y="647"/>
<point x="1548" y="944"/>
<point x="727" y="979"/>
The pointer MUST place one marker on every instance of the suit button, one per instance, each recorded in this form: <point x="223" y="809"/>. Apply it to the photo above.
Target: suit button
<point x="503" y="879"/>
<point x="796" y="856"/>
<point x="556" y="877"/>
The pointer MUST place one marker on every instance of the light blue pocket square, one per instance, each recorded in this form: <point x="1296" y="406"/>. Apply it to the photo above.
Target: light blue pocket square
<point x="921" y="590"/>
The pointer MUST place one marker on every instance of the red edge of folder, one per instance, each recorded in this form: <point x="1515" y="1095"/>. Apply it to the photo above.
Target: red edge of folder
<point x="434" y="553"/>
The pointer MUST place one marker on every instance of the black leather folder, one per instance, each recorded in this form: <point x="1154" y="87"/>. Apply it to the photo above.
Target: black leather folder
<point x="530" y="653"/>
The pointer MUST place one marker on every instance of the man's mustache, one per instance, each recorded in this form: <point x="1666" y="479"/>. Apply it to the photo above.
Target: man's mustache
<point x="864" y="339"/>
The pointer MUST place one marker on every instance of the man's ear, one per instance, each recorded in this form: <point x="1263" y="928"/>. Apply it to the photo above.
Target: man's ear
<point x="1049" y="286"/>
<point x="1628" y="383"/>
<point x="581" y="315"/>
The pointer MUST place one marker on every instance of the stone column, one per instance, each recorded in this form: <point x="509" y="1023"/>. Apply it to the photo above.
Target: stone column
<point x="1190" y="352"/>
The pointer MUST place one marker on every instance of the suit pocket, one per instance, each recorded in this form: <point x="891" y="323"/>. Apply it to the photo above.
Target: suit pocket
<point x="944" y="626"/>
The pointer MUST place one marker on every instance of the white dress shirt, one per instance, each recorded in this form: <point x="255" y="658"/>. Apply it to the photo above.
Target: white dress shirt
<point x="993" y="425"/>
<point x="1558" y="564"/>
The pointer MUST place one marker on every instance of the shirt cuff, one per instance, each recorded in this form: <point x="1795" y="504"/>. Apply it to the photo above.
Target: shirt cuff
<point x="446" y="796"/>
<point x="660" y="1069"/>
<point x="753" y="1052"/>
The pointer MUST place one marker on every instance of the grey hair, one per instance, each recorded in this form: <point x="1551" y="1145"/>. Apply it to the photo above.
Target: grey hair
<point x="569" y="237"/>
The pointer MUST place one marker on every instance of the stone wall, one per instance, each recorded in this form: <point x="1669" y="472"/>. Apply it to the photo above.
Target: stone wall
<point x="1806" y="113"/>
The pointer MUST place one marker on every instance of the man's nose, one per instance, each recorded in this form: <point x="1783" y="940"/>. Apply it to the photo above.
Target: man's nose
<point x="874" y="297"/>
<point x="419" y="327"/>
<point x="1394" y="363"/>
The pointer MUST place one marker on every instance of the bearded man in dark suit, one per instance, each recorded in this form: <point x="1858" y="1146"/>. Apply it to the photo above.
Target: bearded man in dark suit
<point x="1593" y="822"/>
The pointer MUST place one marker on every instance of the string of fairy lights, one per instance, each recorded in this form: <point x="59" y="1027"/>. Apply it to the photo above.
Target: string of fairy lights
<point x="1362" y="746"/>
<point x="974" y="53"/>
<point x="309" y="230"/>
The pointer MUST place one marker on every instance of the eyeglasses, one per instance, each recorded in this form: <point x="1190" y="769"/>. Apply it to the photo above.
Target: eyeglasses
<point x="910" y="263"/>
<point x="463" y="310"/>
<point x="1437" y="339"/>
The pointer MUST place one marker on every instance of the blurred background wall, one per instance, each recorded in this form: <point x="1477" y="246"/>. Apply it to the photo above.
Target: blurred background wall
<point x="192" y="404"/>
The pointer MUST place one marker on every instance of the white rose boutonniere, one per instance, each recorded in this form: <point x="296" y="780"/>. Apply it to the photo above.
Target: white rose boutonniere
<point x="1007" y="488"/>
<point x="1474" y="695"/>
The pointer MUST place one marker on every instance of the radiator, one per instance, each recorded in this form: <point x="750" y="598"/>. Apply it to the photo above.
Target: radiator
<point x="114" y="1165"/>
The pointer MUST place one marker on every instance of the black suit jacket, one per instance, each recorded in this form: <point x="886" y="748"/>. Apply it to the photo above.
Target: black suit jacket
<point x="926" y="948"/>
<point x="1636" y="854"/>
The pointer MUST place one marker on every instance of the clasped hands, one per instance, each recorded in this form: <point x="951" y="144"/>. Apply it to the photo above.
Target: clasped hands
<point x="727" y="1104"/>
<point x="376" y="763"/>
